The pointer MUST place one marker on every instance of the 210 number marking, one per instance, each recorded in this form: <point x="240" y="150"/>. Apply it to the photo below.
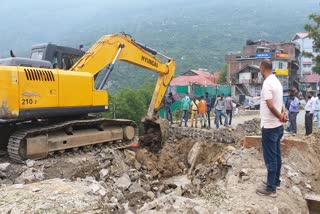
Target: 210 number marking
<point x="28" y="101"/>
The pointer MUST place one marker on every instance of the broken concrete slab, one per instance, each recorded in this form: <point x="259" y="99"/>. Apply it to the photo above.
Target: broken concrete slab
<point x="4" y="167"/>
<point x="313" y="203"/>
<point x="193" y="155"/>
<point x="286" y="144"/>
<point x="104" y="173"/>
<point x="124" y="181"/>
<point x="251" y="142"/>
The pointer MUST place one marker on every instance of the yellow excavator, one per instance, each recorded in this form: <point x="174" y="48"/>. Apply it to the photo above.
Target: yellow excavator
<point x="44" y="110"/>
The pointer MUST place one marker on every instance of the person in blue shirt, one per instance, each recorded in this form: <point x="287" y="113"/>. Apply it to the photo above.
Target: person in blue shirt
<point x="208" y="100"/>
<point x="185" y="105"/>
<point x="293" y="112"/>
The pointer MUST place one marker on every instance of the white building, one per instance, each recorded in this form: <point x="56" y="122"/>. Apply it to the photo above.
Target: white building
<point x="306" y="46"/>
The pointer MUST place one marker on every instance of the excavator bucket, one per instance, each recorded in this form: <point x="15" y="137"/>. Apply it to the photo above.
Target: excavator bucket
<point x="156" y="132"/>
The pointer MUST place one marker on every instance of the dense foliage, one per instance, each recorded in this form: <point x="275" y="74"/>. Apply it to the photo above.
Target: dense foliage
<point x="223" y="75"/>
<point x="314" y="33"/>
<point x="131" y="103"/>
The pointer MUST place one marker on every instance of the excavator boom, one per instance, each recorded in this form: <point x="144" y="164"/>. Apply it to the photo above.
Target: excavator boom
<point x="110" y="48"/>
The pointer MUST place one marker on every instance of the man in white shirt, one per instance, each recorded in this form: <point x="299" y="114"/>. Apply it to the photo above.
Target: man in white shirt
<point x="272" y="113"/>
<point x="309" y="109"/>
<point x="317" y="109"/>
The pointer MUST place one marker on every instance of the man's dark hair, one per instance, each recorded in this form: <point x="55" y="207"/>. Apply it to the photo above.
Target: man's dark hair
<point x="170" y="94"/>
<point x="207" y="93"/>
<point x="318" y="94"/>
<point x="187" y="93"/>
<point x="267" y="64"/>
<point x="201" y="97"/>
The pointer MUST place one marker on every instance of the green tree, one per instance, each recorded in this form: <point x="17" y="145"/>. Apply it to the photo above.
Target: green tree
<point x="313" y="30"/>
<point x="130" y="103"/>
<point x="223" y="75"/>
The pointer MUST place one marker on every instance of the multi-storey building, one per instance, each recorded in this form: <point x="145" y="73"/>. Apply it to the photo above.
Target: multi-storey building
<point x="284" y="60"/>
<point x="305" y="44"/>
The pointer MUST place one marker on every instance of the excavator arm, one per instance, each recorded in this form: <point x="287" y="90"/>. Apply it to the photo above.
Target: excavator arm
<point x="110" y="48"/>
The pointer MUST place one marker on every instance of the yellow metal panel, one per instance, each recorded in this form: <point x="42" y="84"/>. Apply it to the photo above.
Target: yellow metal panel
<point x="100" y="98"/>
<point x="9" y="97"/>
<point x="282" y="72"/>
<point x="38" y="88"/>
<point x="75" y="88"/>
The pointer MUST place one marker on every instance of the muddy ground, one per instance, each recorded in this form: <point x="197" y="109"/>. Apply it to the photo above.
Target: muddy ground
<point x="196" y="171"/>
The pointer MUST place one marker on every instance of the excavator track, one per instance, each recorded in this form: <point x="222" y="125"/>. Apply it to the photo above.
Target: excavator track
<point x="36" y="141"/>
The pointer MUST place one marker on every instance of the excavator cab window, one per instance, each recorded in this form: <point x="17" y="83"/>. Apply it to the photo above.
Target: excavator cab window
<point x="37" y="55"/>
<point x="55" y="60"/>
<point x="68" y="60"/>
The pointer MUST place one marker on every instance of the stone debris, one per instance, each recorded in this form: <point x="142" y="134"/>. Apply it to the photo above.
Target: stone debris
<point x="174" y="204"/>
<point x="296" y="191"/>
<point x="4" y="167"/>
<point x="197" y="171"/>
<point x="50" y="196"/>
<point x="124" y="181"/>
<point x="30" y="163"/>
<point x="275" y="210"/>
<point x="104" y="173"/>
<point x="30" y="176"/>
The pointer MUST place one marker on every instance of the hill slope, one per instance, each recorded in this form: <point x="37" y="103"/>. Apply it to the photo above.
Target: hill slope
<point x="195" y="33"/>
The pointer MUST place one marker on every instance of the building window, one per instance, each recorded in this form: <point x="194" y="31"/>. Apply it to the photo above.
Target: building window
<point x="279" y="65"/>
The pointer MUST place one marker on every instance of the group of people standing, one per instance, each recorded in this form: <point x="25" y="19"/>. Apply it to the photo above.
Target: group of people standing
<point x="201" y="108"/>
<point x="311" y="108"/>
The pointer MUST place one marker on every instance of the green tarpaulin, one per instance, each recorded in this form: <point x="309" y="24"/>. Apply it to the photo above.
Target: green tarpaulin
<point x="212" y="90"/>
<point x="182" y="89"/>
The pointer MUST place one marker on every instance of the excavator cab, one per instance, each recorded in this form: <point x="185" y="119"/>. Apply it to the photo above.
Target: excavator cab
<point x="46" y="56"/>
<point x="60" y="56"/>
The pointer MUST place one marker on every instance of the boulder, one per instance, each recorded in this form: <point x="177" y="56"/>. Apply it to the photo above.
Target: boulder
<point x="136" y="188"/>
<point x="4" y="167"/>
<point x="124" y="181"/>
<point x="150" y="195"/>
<point x="30" y="163"/>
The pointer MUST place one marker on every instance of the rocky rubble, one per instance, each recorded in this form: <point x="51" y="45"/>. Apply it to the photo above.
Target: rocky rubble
<point x="190" y="174"/>
<point x="52" y="196"/>
<point x="222" y="135"/>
